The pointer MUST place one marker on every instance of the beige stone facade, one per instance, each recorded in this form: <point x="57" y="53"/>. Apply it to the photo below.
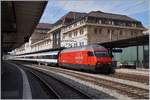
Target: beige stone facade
<point x="77" y="29"/>
<point x="89" y="30"/>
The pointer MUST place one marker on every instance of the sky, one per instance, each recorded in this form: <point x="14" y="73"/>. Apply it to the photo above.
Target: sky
<point x="137" y="9"/>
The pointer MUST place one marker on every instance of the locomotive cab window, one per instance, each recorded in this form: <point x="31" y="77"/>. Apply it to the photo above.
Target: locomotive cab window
<point x="102" y="54"/>
<point x="90" y="53"/>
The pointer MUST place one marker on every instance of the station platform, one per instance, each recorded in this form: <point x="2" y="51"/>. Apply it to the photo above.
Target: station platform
<point x="137" y="71"/>
<point x="13" y="82"/>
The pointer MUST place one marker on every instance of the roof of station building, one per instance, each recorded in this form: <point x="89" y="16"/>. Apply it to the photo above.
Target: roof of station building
<point x="101" y="14"/>
<point x="70" y="15"/>
<point x="44" y="26"/>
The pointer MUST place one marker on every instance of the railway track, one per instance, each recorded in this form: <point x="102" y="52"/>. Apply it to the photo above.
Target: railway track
<point x="130" y="91"/>
<point x="56" y="88"/>
<point x="46" y="87"/>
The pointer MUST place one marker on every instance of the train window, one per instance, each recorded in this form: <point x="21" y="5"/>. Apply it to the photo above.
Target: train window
<point x="35" y="57"/>
<point x="43" y="57"/>
<point x="90" y="53"/>
<point x="54" y="57"/>
<point x="47" y="57"/>
<point x="39" y="57"/>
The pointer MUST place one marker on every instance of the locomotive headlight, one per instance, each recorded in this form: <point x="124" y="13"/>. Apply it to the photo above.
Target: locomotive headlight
<point x="98" y="63"/>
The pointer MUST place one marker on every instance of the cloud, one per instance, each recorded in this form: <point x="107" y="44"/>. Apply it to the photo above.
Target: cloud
<point x="57" y="8"/>
<point x="132" y="7"/>
<point x="116" y="6"/>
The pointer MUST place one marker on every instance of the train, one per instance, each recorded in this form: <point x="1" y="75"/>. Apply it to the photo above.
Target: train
<point x="94" y="58"/>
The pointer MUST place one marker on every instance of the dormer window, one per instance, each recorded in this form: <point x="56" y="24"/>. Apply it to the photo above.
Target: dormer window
<point x="99" y="21"/>
<point x="109" y="22"/>
<point x="112" y="22"/>
<point x="75" y="24"/>
<point x="86" y="19"/>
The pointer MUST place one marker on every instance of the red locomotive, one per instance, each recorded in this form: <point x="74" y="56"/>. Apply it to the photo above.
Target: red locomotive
<point x="92" y="57"/>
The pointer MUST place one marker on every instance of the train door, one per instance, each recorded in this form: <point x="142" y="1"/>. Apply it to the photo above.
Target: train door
<point x="89" y="57"/>
<point x="78" y="57"/>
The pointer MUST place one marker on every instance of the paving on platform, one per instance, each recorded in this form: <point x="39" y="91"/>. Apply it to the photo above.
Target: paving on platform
<point x="14" y="82"/>
<point x="144" y="72"/>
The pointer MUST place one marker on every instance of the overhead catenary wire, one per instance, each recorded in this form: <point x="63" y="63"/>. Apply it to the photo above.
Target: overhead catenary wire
<point x="58" y="11"/>
<point x="137" y="4"/>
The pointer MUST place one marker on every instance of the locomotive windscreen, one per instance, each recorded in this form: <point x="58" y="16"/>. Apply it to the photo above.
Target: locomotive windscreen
<point x="102" y="54"/>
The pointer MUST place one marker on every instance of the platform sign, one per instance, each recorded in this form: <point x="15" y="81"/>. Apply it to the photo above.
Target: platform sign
<point x="117" y="50"/>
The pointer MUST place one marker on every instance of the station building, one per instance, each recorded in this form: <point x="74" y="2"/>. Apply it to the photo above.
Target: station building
<point x="56" y="31"/>
<point x="98" y="27"/>
<point x="39" y="40"/>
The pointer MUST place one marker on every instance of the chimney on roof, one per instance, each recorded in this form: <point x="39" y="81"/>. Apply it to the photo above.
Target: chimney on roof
<point x="99" y="11"/>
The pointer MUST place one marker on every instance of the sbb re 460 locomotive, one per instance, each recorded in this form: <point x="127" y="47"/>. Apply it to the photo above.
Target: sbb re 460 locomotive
<point x="91" y="57"/>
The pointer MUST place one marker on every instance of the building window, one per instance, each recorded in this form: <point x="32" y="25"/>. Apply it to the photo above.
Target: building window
<point x="81" y="43"/>
<point x="134" y="33"/>
<point x="100" y="30"/>
<point x="75" y="33"/>
<point x="112" y="22"/>
<point x="134" y="25"/>
<point x="95" y="30"/>
<point x="63" y="36"/>
<point x="99" y="21"/>
<point x="81" y="31"/>
<point x="112" y="31"/>
<point x="108" y="31"/>
<point x="82" y="21"/>
<point x="75" y="44"/>
<point x="70" y="45"/>
<point x="70" y="34"/>
<point x="70" y="26"/>
<point x="75" y="24"/>
<point x="120" y="32"/>
<point x="109" y="22"/>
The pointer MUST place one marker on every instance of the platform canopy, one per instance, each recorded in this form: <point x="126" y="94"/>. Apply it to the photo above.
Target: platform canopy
<point x="136" y="41"/>
<point x="19" y="18"/>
